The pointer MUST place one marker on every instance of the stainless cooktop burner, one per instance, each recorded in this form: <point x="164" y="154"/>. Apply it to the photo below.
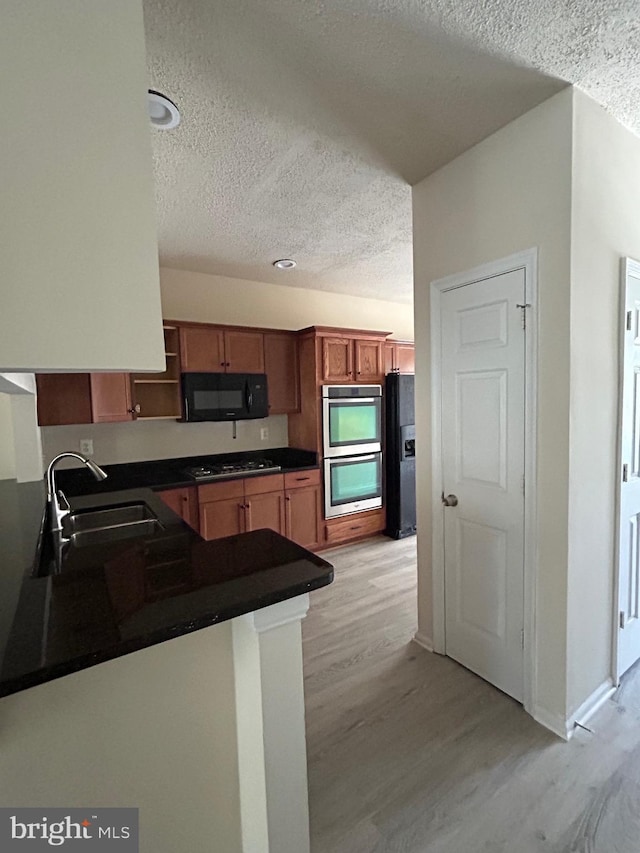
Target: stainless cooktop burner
<point x="232" y="469"/>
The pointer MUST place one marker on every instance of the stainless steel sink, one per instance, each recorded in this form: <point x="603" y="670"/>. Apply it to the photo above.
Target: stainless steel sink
<point x="92" y="527"/>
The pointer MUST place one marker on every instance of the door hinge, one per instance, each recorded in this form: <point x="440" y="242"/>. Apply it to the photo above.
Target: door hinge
<point x="523" y="484"/>
<point x="523" y="308"/>
<point x="622" y="619"/>
<point x="522" y="638"/>
<point x="628" y="321"/>
<point x="625" y="473"/>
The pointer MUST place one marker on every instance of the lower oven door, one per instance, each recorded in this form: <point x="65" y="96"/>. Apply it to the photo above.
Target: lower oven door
<point x="352" y="484"/>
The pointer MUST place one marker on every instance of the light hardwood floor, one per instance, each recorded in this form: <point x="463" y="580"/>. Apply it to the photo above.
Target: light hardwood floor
<point x="410" y="753"/>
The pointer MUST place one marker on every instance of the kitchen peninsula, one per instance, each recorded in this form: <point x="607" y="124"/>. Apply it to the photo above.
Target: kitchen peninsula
<point x="182" y="692"/>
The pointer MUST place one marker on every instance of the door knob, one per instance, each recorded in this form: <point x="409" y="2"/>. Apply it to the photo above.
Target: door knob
<point x="450" y="500"/>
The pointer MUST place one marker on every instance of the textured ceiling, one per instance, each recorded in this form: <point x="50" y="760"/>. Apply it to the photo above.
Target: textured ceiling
<point x="304" y="122"/>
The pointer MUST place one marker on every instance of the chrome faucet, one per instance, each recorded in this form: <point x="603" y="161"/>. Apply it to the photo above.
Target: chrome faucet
<point x="58" y="504"/>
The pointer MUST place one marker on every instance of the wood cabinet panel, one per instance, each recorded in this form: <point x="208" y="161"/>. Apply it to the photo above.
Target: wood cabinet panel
<point x="389" y="358"/>
<point x="221" y="518"/>
<point x="221" y="491"/>
<point x="303" y="516"/>
<point x="244" y="352"/>
<point x="265" y="510"/>
<point x="368" y="361"/>
<point x="110" y="397"/>
<point x="399" y="357"/>
<point x="283" y="375"/>
<point x="337" y="359"/>
<point x="184" y="502"/>
<point x="262" y="485"/>
<point x="405" y="358"/>
<point x="300" y="479"/>
<point x="202" y="349"/>
<point x="63" y="398"/>
<point x="355" y="526"/>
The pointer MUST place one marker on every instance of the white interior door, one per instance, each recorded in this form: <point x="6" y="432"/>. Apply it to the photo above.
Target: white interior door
<point x="483" y="435"/>
<point x="629" y="494"/>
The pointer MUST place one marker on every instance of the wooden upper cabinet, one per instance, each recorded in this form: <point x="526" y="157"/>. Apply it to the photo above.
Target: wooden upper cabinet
<point x="337" y="359"/>
<point x="244" y="351"/>
<point x="63" y="398"/>
<point x="202" y="349"/>
<point x="352" y="360"/>
<point x="399" y="357"/>
<point x="208" y="349"/>
<point x="110" y="397"/>
<point x="368" y="360"/>
<point x="405" y="358"/>
<point x="283" y="375"/>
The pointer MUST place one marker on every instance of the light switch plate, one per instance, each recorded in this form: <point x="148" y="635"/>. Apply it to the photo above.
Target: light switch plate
<point x="264" y="433"/>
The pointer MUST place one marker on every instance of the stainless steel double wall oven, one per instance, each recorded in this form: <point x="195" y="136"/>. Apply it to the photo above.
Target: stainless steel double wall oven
<point x="352" y="439"/>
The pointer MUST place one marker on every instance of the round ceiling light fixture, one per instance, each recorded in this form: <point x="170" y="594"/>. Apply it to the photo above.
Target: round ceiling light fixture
<point x="284" y="264"/>
<point x="163" y="113"/>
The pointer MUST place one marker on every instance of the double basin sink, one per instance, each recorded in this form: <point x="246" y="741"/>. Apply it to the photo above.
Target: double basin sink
<point x="110" y="524"/>
<point x="106" y="525"/>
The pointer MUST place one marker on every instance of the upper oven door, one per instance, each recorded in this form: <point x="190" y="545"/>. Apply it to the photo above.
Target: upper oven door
<point x="351" y="425"/>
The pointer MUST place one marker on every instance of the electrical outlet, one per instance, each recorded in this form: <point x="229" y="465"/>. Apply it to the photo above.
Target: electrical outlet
<point x="264" y="433"/>
<point x="86" y="446"/>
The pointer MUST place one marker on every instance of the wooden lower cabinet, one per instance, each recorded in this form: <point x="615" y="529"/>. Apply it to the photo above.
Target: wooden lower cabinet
<point x="265" y="511"/>
<point x="290" y="504"/>
<point x="184" y="502"/>
<point x="303" y="508"/>
<point x="358" y="525"/>
<point x="238" y="506"/>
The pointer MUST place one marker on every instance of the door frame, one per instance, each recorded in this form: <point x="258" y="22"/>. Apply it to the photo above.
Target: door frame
<point x="627" y="265"/>
<point x="528" y="261"/>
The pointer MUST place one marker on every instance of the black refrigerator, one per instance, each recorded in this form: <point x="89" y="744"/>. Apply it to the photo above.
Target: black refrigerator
<point x="400" y="446"/>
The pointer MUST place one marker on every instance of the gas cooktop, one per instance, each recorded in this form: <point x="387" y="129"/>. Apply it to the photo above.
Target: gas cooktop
<point x="232" y="469"/>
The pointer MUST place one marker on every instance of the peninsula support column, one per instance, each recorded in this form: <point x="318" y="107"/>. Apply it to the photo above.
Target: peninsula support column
<point x="285" y="749"/>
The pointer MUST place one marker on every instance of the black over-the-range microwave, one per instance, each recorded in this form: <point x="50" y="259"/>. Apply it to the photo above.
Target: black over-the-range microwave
<point x="224" y="396"/>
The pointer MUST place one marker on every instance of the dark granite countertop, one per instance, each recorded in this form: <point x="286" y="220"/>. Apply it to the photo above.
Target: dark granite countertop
<point x="170" y="473"/>
<point x="115" y="598"/>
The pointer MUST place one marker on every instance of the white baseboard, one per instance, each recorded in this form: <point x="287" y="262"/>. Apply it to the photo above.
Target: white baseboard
<point x="592" y="703"/>
<point x="565" y="728"/>
<point x="423" y="641"/>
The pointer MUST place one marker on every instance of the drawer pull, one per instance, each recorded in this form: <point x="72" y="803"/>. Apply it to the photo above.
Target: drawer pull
<point x="356" y="527"/>
<point x="300" y="479"/>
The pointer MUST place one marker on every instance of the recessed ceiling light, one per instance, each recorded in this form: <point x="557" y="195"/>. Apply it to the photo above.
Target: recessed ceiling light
<point x="284" y="264"/>
<point x="163" y="113"/>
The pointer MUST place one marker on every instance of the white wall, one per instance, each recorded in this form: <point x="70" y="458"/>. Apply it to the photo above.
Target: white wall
<point x="216" y="299"/>
<point x="509" y="193"/>
<point x="606" y="227"/>
<point x="7" y="453"/>
<point x="154" y="730"/>
<point x="77" y="235"/>
<point x="137" y="441"/>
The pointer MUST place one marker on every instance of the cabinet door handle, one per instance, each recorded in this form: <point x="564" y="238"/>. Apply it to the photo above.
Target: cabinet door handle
<point x="134" y="410"/>
<point x="222" y="364"/>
